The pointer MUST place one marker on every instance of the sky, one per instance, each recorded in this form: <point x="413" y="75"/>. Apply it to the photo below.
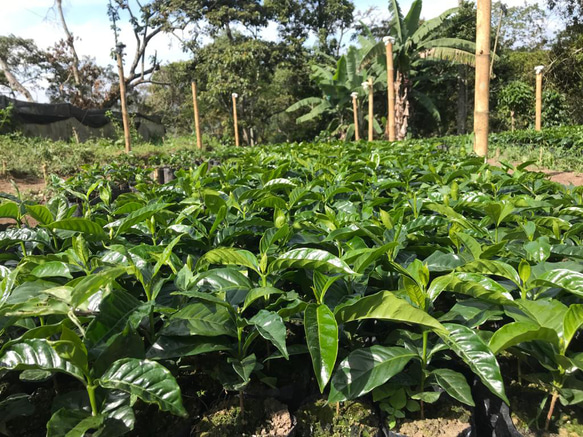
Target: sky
<point x="87" y="20"/>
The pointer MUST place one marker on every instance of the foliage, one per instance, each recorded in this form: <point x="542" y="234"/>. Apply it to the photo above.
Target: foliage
<point x="390" y="269"/>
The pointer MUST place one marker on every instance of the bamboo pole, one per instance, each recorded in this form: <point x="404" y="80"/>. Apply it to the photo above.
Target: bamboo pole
<point x="539" y="96"/>
<point x="196" y="117"/>
<point x="122" y="93"/>
<point x="368" y="87"/>
<point x="355" y="110"/>
<point x="482" y="91"/>
<point x="389" y="41"/>
<point x="235" y="95"/>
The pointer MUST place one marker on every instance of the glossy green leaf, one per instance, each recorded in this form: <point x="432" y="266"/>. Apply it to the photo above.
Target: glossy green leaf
<point x="314" y="259"/>
<point x="258" y="293"/>
<point x="40" y="213"/>
<point x="75" y="224"/>
<point x="322" y="340"/>
<point x="468" y="345"/>
<point x="455" y="384"/>
<point x="386" y="306"/>
<point x="37" y="354"/>
<point x="72" y="423"/>
<point x="515" y="333"/>
<point x="271" y="327"/>
<point x="201" y="318"/>
<point x="91" y="284"/>
<point x="229" y="256"/>
<point x="148" y="380"/>
<point x="572" y="323"/>
<point x="52" y="269"/>
<point x="365" y="369"/>
<point x="561" y="278"/>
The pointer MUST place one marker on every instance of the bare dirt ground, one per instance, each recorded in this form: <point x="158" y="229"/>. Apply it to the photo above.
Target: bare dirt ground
<point x="562" y="177"/>
<point x="28" y="187"/>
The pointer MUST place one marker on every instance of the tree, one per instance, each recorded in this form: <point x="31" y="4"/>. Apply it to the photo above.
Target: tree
<point x="337" y="84"/>
<point x="571" y="10"/>
<point x="263" y="75"/>
<point x="21" y="62"/>
<point x="565" y="69"/>
<point x="323" y="18"/>
<point x="417" y="44"/>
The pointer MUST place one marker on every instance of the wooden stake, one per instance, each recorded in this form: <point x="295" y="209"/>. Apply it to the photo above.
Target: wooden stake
<point x="196" y="117"/>
<point x="370" y="110"/>
<point x="355" y="110"/>
<point x="482" y="92"/>
<point x="235" y="95"/>
<point x="389" y="41"/>
<point x="122" y="93"/>
<point x="539" y="96"/>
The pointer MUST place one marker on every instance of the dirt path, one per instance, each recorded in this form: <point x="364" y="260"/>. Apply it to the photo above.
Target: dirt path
<point x="562" y="177"/>
<point x="27" y="187"/>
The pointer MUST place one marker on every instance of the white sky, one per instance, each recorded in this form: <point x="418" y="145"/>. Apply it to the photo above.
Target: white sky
<point x="87" y="20"/>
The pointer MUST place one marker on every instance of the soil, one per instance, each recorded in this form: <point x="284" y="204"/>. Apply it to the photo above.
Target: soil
<point x="27" y="187"/>
<point x="262" y="418"/>
<point x="562" y="177"/>
<point x="433" y="428"/>
<point x="353" y="419"/>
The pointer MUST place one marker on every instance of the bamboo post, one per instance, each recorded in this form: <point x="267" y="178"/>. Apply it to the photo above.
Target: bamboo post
<point x="355" y="110"/>
<point x="196" y="117"/>
<point x="482" y="91"/>
<point x="539" y="96"/>
<point x="122" y="94"/>
<point x="234" y="96"/>
<point x="368" y="87"/>
<point x="389" y="41"/>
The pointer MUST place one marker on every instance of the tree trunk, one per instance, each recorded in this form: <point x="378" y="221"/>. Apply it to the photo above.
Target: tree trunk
<point x="70" y="42"/>
<point x="15" y="85"/>
<point x="402" y="106"/>
<point x="462" y="99"/>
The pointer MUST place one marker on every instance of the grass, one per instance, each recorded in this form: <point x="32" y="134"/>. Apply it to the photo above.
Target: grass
<point x="554" y="148"/>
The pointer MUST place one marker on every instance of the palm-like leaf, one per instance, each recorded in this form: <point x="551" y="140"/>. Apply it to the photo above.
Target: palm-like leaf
<point x="427" y="103"/>
<point x="412" y="19"/>
<point x="396" y="19"/>
<point x="430" y="25"/>
<point x="307" y="102"/>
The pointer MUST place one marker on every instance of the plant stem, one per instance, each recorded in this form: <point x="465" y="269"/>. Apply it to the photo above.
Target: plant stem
<point x="242" y="406"/>
<point x="152" y="327"/>
<point x="551" y="409"/>
<point x="423" y="371"/>
<point x="92" y="401"/>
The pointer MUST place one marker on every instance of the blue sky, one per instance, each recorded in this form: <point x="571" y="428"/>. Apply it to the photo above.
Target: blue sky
<point x="87" y="19"/>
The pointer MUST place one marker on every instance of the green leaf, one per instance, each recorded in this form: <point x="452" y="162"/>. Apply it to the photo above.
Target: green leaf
<point x="37" y="354"/>
<point x="72" y="423"/>
<point x="9" y="210"/>
<point x="386" y="306"/>
<point x="314" y="259"/>
<point x="429" y="397"/>
<point x="40" y="213"/>
<point x="257" y="293"/>
<point x="322" y="340"/>
<point x="202" y="318"/>
<point x="271" y="327"/>
<point x="468" y="345"/>
<point x="78" y="225"/>
<point x="561" y="278"/>
<point x="229" y="256"/>
<point x="365" y="369"/>
<point x="572" y="323"/>
<point x="52" y="269"/>
<point x="92" y="283"/>
<point x="148" y="380"/>
<point x="455" y="384"/>
<point x="177" y="347"/>
<point x="489" y="267"/>
<point x="515" y="333"/>
<point x="136" y="217"/>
